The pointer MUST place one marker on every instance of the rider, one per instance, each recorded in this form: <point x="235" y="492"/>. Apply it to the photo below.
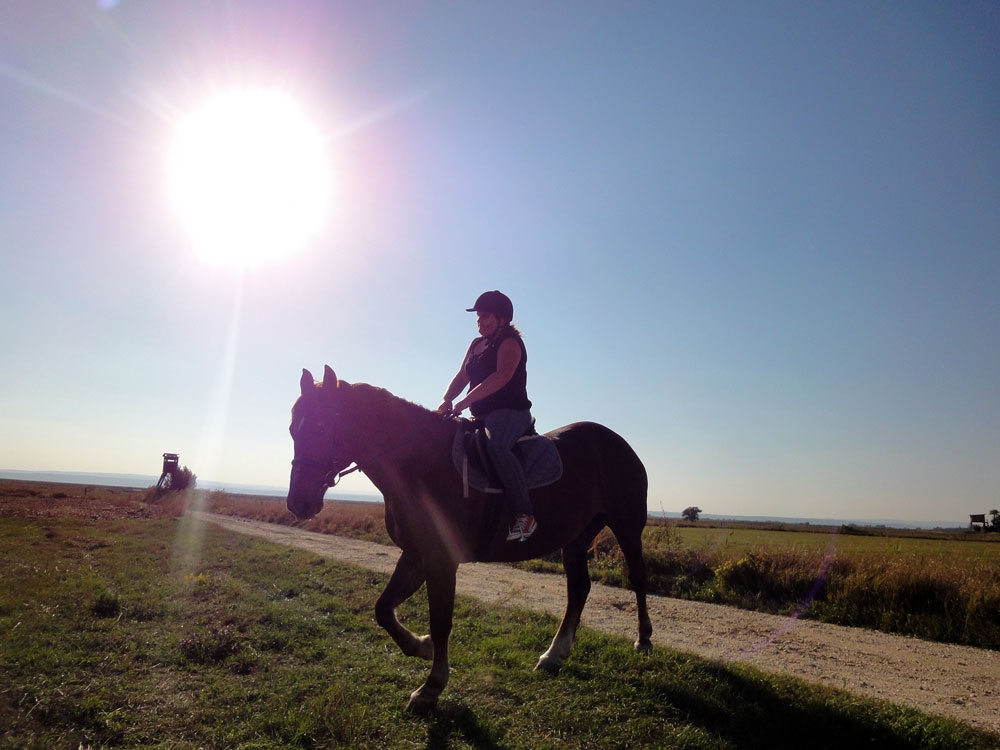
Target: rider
<point x="495" y="369"/>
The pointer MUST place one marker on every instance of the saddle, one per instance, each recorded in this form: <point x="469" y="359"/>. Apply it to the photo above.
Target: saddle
<point x="538" y="456"/>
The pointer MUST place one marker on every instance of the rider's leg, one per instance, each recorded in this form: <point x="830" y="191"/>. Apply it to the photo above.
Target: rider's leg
<point x="503" y="428"/>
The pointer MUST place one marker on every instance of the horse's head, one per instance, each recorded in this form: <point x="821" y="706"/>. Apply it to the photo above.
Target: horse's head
<point x="317" y="432"/>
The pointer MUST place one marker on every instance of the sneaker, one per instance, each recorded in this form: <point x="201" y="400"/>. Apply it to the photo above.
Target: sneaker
<point x="524" y="526"/>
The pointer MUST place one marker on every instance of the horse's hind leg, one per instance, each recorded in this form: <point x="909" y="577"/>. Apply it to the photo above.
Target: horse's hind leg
<point x="406" y="579"/>
<point x="574" y="556"/>
<point x="631" y="547"/>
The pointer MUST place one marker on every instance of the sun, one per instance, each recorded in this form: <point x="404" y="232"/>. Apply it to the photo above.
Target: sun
<point x="249" y="177"/>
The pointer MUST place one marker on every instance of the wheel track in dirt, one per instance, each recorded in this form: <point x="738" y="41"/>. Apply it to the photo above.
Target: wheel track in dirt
<point x="959" y="682"/>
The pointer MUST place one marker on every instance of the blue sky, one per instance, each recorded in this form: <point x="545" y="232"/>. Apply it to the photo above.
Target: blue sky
<point x="759" y="240"/>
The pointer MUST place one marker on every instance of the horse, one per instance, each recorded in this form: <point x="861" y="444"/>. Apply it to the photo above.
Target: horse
<point x="405" y="450"/>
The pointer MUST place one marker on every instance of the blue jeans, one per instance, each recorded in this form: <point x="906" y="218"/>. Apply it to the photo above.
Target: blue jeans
<point x="503" y="428"/>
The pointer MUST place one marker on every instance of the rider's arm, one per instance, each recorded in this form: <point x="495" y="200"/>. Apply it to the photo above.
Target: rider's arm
<point x="457" y="385"/>
<point x="455" y="388"/>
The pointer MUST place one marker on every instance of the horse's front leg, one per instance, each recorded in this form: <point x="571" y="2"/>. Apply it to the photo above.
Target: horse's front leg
<point x="403" y="584"/>
<point x="441" y="604"/>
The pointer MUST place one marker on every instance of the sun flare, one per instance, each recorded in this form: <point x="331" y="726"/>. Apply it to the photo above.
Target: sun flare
<point x="249" y="177"/>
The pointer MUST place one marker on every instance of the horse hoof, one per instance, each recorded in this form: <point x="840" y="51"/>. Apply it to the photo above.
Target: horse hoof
<point x="644" y="647"/>
<point x="420" y="705"/>
<point x="547" y="665"/>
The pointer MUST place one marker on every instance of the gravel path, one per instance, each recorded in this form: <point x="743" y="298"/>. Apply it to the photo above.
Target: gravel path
<point x="955" y="681"/>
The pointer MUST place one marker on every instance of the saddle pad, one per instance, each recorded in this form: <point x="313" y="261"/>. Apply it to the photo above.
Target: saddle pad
<point x="538" y="455"/>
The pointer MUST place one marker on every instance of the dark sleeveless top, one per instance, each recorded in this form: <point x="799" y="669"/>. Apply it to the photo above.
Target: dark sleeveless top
<point x="514" y="395"/>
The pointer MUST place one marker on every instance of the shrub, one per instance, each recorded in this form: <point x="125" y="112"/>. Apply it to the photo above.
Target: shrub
<point x="779" y="580"/>
<point x="184" y="479"/>
<point x="851" y="529"/>
<point x="211" y="646"/>
<point x="691" y="513"/>
<point x="107" y="605"/>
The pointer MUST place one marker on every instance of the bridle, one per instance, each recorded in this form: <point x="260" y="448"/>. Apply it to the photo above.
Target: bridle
<point x="332" y="471"/>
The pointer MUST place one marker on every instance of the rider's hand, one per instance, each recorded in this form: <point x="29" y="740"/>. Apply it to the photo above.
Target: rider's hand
<point x="445" y="407"/>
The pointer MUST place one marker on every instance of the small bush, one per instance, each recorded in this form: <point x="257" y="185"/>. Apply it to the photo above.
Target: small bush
<point x="107" y="605"/>
<point x="185" y="479"/>
<point x="212" y="646"/>
<point x="777" y="580"/>
<point x="854" y="530"/>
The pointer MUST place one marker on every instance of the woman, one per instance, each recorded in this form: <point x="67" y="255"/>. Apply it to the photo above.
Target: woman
<point x="495" y="370"/>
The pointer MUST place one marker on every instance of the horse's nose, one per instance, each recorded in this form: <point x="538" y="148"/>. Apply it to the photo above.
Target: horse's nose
<point x="298" y="508"/>
<point x="304" y="502"/>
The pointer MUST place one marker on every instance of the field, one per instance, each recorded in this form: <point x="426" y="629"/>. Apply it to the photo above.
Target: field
<point x="932" y="585"/>
<point x="942" y="587"/>
<point x="848" y="541"/>
<point x="123" y="628"/>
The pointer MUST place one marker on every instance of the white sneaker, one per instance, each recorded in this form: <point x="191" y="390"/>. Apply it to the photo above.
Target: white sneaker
<point x="524" y="526"/>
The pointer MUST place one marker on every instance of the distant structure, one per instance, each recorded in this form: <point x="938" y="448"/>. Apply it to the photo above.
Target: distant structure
<point x="975" y="518"/>
<point x="171" y="470"/>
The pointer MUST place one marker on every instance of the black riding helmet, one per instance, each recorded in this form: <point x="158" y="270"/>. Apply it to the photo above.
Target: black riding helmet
<point x="494" y="302"/>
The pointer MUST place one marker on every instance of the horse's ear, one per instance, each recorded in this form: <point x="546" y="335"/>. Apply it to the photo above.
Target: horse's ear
<point x="307" y="383"/>
<point x="329" y="377"/>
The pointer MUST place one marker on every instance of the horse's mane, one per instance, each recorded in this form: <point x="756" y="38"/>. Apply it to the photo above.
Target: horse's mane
<point x="389" y="406"/>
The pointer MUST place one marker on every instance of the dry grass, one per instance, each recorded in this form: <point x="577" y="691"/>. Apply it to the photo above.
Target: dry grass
<point x="945" y="589"/>
<point x="356" y="520"/>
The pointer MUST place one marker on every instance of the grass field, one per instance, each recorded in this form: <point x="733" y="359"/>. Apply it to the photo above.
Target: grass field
<point x="844" y="541"/>
<point x="150" y="632"/>
<point x="932" y="585"/>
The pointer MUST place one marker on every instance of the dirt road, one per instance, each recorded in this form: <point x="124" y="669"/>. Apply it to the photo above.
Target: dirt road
<point x="956" y="681"/>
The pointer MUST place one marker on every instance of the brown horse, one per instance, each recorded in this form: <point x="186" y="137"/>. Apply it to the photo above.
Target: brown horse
<point x="405" y="450"/>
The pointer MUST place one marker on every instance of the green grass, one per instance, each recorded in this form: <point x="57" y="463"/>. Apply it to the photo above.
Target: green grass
<point x="158" y="633"/>
<point x="932" y="585"/>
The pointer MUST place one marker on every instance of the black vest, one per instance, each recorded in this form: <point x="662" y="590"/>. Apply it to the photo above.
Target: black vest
<point x="514" y="395"/>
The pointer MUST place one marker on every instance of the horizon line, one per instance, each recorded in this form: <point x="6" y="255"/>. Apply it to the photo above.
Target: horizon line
<point x="277" y="491"/>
